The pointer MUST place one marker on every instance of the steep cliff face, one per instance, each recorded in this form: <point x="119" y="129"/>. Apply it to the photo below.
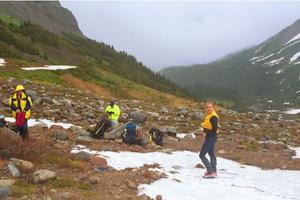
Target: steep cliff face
<point x="50" y="15"/>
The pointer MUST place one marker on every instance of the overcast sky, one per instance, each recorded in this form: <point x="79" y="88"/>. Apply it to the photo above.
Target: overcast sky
<point x="162" y="34"/>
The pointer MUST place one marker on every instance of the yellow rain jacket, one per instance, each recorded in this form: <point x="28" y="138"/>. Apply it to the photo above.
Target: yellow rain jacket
<point x="25" y="104"/>
<point x="207" y="124"/>
<point x="115" y="112"/>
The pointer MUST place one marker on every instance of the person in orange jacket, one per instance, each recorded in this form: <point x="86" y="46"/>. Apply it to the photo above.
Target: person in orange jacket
<point x="21" y="104"/>
<point x="210" y="129"/>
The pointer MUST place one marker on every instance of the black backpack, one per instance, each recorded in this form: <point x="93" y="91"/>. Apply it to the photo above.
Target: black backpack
<point x="157" y="136"/>
<point x="101" y="127"/>
<point x="130" y="135"/>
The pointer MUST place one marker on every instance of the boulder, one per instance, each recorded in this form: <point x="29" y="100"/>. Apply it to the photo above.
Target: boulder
<point x="164" y="110"/>
<point x="23" y="165"/>
<point x="43" y="175"/>
<point x="183" y="112"/>
<point x="198" y="115"/>
<point x="61" y="135"/>
<point x="98" y="161"/>
<point x="80" y="131"/>
<point x="138" y="116"/>
<point x="83" y="139"/>
<point x="82" y="155"/>
<point x="33" y="95"/>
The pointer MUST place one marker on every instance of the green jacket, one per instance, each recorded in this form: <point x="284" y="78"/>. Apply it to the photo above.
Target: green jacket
<point x="113" y="112"/>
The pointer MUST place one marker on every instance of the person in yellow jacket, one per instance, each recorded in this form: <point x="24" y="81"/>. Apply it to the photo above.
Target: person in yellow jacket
<point x="21" y="103"/>
<point x="113" y="111"/>
<point x="210" y="129"/>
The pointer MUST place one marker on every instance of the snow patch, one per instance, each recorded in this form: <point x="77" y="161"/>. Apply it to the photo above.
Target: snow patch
<point x="295" y="57"/>
<point x="280" y="71"/>
<point x="50" y="67"/>
<point x="297" y="150"/>
<point x="259" y="48"/>
<point x="286" y="103"/>
<point x="49" y="123"/>
<point x="183" y="180"/>
<point x="294" y="38"/>
<point x="297" y="63"/>
<point x="293" y="43"/>
<point x="298" y="92"/>
<point x="264" y="58"/>
<point x="292" y="111"/>
<point x="274" y="62"/>
<point x="183" y="135"/>
<point x="2" y="62"/>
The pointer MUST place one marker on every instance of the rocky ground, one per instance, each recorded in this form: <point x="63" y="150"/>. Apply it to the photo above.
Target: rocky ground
<point x="48" y="170"/>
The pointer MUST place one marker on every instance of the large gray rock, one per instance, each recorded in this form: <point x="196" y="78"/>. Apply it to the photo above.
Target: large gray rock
<point x="197" y="115"/>
<point x="82" y="155"/>
<point x="79" y="131"/>
<point x="83" y="139"/>
<point x="183" y="112"/>
<point x="43" y="175"/>
<point x="33" y="94"/>
<point x="13" y="170"/>
<point x="116" y="133"/>
<point x="61" y="135"/>
<point x="5" y="192"/>
<point x="138" y="116"/>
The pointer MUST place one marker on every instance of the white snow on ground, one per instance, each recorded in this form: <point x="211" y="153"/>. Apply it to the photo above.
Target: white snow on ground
<point x="298" y="92"/>
<point x="254" y="58"/>
<point x="183" y="135"/>
<point x="294" y="38"/>
<point x="49" y="67"/>
<point x="295" y="57"/>
<point x="49" y="123"/>
<point x="292" y="111"/>
<point x="280" y="71"/>
<point x="184" y="181"/>
<point x="297" y="63"/>
<point x="264" y="58"/>
<point x="2" y="62"/>
<point x="297" y="150"/>
<point x="293" y="43"/>
<point x="274" y="62"/>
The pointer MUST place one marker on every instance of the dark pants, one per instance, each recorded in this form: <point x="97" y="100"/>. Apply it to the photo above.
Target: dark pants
<point x="209" y="147"/>
<point x="24" y="130"/>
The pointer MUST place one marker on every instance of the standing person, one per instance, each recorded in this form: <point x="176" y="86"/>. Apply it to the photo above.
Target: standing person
<point x="210" y="128"/>
<point x="113" y="112"/>
<point x="21" y="103"/>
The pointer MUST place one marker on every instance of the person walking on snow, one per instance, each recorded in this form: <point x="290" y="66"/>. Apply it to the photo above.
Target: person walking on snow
<point x="21" y="104"/>
<point x="210" y="129"/>
<point x="113" y="112"/>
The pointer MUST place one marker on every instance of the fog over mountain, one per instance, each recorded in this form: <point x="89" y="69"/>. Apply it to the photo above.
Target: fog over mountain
<point x="162" y="34"/>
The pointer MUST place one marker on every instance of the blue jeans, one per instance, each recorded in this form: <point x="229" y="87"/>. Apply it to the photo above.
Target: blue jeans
<point x="209" y="147"/>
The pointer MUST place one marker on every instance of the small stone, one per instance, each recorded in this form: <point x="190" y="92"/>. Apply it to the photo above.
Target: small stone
<point x="158" y="197"/>
<point x="61" y="135"/>
<point x="83" y="139"/>
<point x="199" y="166"/>
<point x="119" y="141"/>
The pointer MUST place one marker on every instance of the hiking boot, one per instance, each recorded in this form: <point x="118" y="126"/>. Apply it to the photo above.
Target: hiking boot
<point x="210" y="175"/>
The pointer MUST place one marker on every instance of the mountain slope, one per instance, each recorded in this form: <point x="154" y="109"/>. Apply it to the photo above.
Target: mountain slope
<point x="270" y="70"/>
<point x="50" y="15"/>
<point x="28" y="44"/>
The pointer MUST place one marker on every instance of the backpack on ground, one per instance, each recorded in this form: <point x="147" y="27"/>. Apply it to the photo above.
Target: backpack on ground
<point x="157" y="136"/>
<point x="102" y="126"/>
<point x="2" y="121"/>
<point x="130" y="135"/>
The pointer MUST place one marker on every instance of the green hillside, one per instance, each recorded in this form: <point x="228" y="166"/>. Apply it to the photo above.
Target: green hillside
<point x="268" y="72"/>
<point x="28" y="44"/>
